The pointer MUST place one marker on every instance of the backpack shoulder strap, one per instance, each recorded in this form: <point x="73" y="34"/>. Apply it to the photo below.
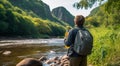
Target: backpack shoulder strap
<point x="81" y="28"/>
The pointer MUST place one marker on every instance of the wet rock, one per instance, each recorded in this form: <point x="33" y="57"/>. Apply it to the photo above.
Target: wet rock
<point x="1" y="52"/>
<point x="43" y="58"/>
<point x="55" y="61"/>
<point x="59" y="61"/>
<point x="6" y="52"/>
<point x="90" y="65"/>
<point x="52" y="60"/>
<point x="65" y="57"/>
<point x="52" y="51"/>
<point x="30" y="62"/>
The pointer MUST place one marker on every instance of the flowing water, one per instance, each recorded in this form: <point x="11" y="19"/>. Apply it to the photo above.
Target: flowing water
<point x="13" y="51"/>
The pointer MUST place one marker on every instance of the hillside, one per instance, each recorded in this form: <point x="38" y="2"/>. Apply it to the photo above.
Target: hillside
<point x="63" y="14"/>
<point x="100" y="17"/>
<point x="37" y="8"/>
<point x="105" y="28"/>
<point x="28" y="20"/>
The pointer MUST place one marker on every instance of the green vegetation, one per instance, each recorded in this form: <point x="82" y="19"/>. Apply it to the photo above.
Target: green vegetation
<point x="36" y="8"/>
<point x="15" y="22"/>
<point x="27" y="21"/>
<point x="105" y="27"/>
<point x="106" y="49"/>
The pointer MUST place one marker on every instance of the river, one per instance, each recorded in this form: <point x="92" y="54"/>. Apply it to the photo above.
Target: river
<point x="13" y="51"/>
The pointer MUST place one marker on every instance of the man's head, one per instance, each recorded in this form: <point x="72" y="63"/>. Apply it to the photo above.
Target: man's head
<point x="79" y="20"/>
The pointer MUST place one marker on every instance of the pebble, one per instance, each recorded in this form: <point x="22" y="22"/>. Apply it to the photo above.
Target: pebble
<point x="6" y="52"/>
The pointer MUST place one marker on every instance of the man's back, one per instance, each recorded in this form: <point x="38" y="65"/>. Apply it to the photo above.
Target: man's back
<point x="75" y="58"/>
<point x="83" y="42"/>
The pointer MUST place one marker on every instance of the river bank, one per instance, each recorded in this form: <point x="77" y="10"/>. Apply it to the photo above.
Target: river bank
<point x="13" y="51"/>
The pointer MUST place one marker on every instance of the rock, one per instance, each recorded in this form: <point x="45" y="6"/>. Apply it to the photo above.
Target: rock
<point x="30" y="62"/>
<point x="55" y="58"/>
<point x="49" y="61"/>
<point x="90" y="65"/>
<point x="65" y="61"/>
<point x="66" y="65"/>
<point x="55" y="61"/>
<point x="52" y="60"/>
<point x="52" y="65"/>
<point x="43" y="58"/>
<point x="65" y="57"/>
<point x="1" y="52"/>
<point x="6" y="52"/>
<point x="52" y="51"/>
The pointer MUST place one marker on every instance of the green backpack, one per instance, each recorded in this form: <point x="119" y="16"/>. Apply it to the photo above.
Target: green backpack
<point x="83" y="42"/>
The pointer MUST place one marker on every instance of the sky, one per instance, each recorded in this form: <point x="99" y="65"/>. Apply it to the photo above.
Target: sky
<point x="68" y="4"/>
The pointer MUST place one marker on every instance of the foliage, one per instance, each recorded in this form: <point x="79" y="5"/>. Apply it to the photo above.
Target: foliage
<point x="34" y="5"/>
<point x="91" y="22"/>
<point x="49" y="28"/>
<point x="36" y="8"/>
<point x="106" y="47"/>
<point x="105" y="27"/>
<point x="107" y="19"/>
<point x="16" y="22"/>
<point x="3" y="26"/>
<point x="113" y="5"/>
<point x="89" y="3"/>
<point x="86" y="3"/>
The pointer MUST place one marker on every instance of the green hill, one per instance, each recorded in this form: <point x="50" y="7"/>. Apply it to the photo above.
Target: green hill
<point x="36" y="8"/>
<point x="26" y="19"/>
<point x="100" y="17"/>
<point x="105" y="27"/>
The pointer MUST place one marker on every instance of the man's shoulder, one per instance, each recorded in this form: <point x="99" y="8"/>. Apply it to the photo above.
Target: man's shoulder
<point x="74" y="30"/>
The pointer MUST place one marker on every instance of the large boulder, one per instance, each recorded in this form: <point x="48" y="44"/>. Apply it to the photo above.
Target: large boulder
<point x="30" y="62"/>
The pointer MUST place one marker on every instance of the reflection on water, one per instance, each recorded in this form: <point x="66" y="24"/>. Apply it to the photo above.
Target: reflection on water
<point x="32" y="41"/>
<point x="54" y="47"/>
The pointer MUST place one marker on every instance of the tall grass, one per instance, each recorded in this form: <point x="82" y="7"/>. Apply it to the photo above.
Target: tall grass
<point x="106" y="50"/>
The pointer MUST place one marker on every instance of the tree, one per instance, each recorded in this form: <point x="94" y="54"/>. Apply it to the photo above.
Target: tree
<point x="86" y="3"/>
<point x="3" y="26"/>
<point x="89" y="3"/>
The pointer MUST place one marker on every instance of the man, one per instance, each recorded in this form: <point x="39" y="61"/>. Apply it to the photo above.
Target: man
<point x="75" y="58"/>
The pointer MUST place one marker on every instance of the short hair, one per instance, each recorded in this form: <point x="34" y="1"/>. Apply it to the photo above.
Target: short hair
<point x="79" y="20"/>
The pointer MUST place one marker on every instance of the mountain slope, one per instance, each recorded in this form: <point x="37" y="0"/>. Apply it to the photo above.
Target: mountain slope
<point x="105" y="28"/>
<point x="100" y="17"/>
<point x="37" y="8"/>
<point x="15" y="21"/>
<point x="63" y="14"/>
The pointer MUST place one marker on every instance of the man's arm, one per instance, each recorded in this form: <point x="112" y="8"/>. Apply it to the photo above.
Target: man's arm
<point x="68" y="41"/>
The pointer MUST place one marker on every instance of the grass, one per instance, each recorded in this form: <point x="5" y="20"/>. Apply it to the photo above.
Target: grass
<point x="106" y="50"/>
